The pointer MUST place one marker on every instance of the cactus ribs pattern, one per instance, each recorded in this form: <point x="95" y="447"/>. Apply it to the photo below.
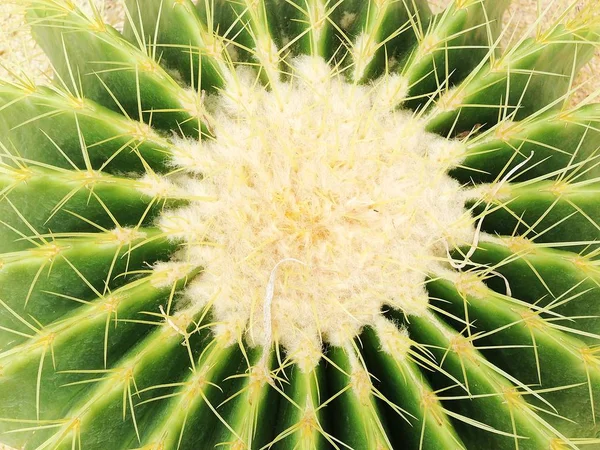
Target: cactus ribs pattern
<point x="300" y="224"/>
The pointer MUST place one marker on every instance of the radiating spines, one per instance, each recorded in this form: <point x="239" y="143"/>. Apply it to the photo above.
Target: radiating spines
<point x="562" y="213"/>
<point x="72" y="201"/>
<point x="301" y="417"/>
<point x="55" y="127"/>
<point x="485" y="407"/>
<point x="358" y="422"/>
<point x="396" y="364"/>
<point x="92" y="60"/>
<point x="56" y="278"/>
<point x="381" y="33"/>
<point x="549" y="144"/>
<point x="526" y="77"/>
<point x="450" y="46"/>
<point x="252" y="30"/>
<point x="114" y="413"/>
<point x="174" y="35"/>
<point x="310" y="27"/>
<point x="506" y="330"/>
<point x="80" y="372"/>
<point x="190" y="417"/>
<point x="561" y="286"/>
<point x="252" y="407"/>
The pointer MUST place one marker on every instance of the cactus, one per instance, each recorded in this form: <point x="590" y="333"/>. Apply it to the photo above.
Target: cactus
<point x="300" y="224"/>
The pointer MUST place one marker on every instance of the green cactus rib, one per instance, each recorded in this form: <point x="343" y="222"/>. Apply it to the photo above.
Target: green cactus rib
<point x="69" y="132"/>
<point x="68" y="201"/>
<point x="193" y="405"/>
<point x="527" y="78"/>
<point x="301" y="418"/>
<point x="488" y="408"/>
<point x="183" y="42"/>
<point x="316" y="26"/>
<point x="551" y="140"/>
<point x="36" y="282"/>
<point x="189" y="405"/>
<point x="560" y="213"/>
<point x="402" y="382"/>
<point x="60" y="366"/>
<point x="103" y="341"/>
<point x="451" y="46"/>
<point x="560" y="284"/>
<point x="252" y="27"/>
<point x="375" y="37"/>
<point x="515" y="326"/>
<point x="92" y="57"/>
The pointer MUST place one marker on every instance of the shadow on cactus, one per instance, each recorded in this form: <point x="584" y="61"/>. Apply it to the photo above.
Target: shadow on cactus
<point x="300" y="224"/>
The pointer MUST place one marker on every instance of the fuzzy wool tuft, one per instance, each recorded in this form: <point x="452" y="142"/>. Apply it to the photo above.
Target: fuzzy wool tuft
<point x="330" y="205"/>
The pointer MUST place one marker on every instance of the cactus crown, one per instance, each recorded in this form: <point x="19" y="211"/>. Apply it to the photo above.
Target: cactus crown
<point x="318" y="206"/>
<point x="300" y="224"/>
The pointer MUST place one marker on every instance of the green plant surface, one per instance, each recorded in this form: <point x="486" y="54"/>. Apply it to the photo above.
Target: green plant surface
<point x="301" y="224"/>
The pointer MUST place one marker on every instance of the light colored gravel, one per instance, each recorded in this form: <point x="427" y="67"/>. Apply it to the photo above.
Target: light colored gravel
<point x="19" y="52"/>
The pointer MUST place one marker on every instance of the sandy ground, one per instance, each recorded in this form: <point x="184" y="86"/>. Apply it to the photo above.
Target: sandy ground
<point x="19" y="52"/>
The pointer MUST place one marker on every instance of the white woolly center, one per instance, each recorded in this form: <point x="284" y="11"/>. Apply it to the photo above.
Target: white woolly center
<point x="329" y="207"/>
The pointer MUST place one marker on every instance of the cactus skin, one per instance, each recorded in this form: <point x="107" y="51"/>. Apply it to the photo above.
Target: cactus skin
<point x="100" y="345"/>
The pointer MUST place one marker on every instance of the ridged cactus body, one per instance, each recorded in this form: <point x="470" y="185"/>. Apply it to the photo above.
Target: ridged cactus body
<point x="300" y="224"/>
